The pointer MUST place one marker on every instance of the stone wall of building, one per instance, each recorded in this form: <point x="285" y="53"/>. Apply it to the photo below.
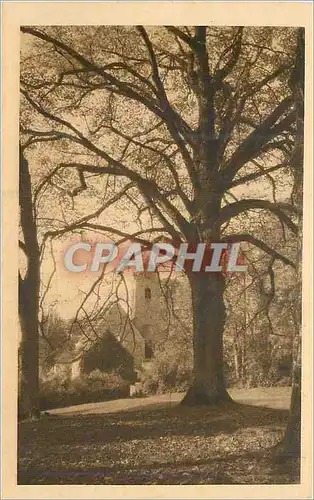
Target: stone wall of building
<point x="151" y="313"/>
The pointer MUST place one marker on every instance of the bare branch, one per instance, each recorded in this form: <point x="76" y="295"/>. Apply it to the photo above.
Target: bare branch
<point x="252" y="145"/>
<point x="230" y="64"/>
<point x="256" y="175"/>
<point x="183" y="36"/>
<point x="234" y="209"/>
<point x="237" y="238"/>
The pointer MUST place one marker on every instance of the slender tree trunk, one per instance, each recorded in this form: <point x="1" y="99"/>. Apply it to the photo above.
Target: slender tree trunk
<point x="290" y="446"/>
<point x="209" y="319"/>
<point x="29" y="383"/>
<point x="236" y="359"/>
<point x="291" y="443"/>
<point x="28" y="301"/>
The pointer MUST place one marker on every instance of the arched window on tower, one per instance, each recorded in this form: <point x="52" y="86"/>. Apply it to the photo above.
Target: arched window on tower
<point x="148" y="293"/>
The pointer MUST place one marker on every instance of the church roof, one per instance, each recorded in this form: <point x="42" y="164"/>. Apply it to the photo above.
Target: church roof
<point x="112" y="322"/>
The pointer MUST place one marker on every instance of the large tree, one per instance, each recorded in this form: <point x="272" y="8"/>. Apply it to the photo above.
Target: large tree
<point x="183" y="120"/>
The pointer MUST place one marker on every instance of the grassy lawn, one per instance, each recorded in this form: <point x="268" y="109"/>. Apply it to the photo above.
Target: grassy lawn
<point x="157" y="444"/>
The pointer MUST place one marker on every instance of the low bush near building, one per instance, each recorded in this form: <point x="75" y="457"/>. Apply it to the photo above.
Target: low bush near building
<point x="60" y="391"/>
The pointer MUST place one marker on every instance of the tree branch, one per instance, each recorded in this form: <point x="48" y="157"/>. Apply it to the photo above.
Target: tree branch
<point x="230" y="64"/>
<point x="237" y="238"/>
<point x="23" y="247"/>
<point x="115" y="167"/>
<point x="183" y="36"/>
<point x="126" y="90"/>
<point x="234" y="209"/>
<point x="256" y="175"/>
<point x="267" y="130"/>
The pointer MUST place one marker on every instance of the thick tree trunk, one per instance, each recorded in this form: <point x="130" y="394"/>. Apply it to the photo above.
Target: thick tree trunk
<point x="207" y="288"/>
<point x="209" y="319"/>
<point x="28" y="301"/>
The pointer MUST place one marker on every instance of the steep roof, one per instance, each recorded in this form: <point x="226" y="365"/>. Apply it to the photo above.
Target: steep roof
<point x="117" y="322"/>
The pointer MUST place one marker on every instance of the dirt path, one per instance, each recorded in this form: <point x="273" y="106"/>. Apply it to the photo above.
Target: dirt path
<point x="268" y="397"/>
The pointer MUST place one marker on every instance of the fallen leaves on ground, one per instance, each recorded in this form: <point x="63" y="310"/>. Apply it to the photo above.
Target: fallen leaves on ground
<point x="161" y="445"/>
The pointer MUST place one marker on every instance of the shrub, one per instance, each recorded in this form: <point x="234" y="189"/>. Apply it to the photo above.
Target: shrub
<point x="169" y="370"/>
<point x="270" y="367"/>
<point x="59" y="391"/>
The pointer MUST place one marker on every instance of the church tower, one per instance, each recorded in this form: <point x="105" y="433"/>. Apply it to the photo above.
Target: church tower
<point x="150" y="311"/>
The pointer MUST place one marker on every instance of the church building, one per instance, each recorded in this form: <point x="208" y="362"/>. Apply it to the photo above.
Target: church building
<point x="138" y="323"/>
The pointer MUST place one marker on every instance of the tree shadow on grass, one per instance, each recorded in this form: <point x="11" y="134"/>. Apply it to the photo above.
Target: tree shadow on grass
<point x="148" y="423"/>
<point x="58" y="444"/>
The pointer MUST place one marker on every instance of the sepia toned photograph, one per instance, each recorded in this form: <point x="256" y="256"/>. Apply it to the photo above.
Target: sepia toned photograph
<point x="160" y="254"/>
